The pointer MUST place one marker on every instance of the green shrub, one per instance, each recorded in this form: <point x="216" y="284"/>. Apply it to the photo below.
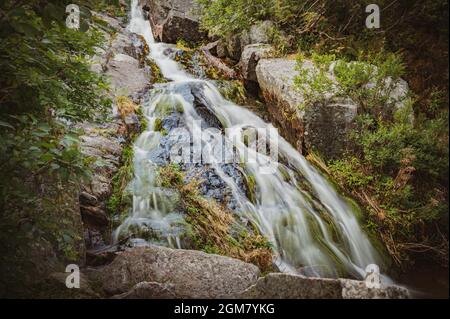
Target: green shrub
<point x="226" y="17"/>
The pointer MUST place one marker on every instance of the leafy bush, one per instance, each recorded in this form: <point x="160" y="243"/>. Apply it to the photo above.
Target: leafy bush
<point x="46" y="84"/>
<point x="227" y="17"/>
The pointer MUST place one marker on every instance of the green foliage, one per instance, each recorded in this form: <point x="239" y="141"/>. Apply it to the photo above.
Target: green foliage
<point x="351" y="172"/>
<point x="158" y="127"/>
<point x="46" y="86"/>
<point x="369" y="83"/>
<point x="226" y="17"/>
<point x="395" y="165"/>
<point x="120" y="201"/>
<point x="110" y="7"/>
<point x="233" y="91"/>
<point x="315" y="83"/>
<point x="399" y="171"/>
<point x="46" y="83"/>
<point x="156" y="72"/>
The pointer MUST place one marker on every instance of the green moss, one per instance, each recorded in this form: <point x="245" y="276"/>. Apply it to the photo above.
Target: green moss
<point x="251" y="188"/>
<point x="142" y="120"/>
<point x="158" y="125"/>
<point x="233" y="91"/>
<point x="157" y="76"/>
<point x="121" y="201"/>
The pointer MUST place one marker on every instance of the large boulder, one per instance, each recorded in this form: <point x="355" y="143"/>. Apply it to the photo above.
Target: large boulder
<point x="126" y="75"/>
<point x="174" y="272"/>
<point x="276" y="81"/>
<point x="173" y="19"/>
<point x="287" y="286"/>
<point x="323" y="126"/>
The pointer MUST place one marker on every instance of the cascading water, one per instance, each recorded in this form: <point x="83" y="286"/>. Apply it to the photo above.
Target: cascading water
<point x="309" y="225"/>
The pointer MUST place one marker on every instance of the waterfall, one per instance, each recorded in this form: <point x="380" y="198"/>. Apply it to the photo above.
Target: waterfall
<point x="311" y="228"/>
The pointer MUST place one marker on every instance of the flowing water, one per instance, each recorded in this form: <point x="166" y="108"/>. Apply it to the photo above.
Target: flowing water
<point x="313" y="230"/>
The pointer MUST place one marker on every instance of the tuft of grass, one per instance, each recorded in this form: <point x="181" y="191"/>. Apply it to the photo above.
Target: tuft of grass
<point x="126" y="106"/>
<point x="157" y="76"/>
<point x="211" y="223"/>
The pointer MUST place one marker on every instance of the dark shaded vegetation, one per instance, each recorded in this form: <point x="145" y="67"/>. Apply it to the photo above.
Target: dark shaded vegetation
<point x="46" y="87"/>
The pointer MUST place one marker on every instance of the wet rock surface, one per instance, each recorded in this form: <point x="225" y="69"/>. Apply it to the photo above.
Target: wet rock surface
<point x="212" y="186"/>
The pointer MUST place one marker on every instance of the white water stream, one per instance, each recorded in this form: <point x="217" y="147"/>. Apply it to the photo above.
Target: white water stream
<point x="321" y="242"/>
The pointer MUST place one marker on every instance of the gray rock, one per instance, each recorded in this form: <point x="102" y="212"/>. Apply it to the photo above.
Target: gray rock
<point x="99" y="186"/>
<point x="353" y="289"/>
<point x="276" y="81"/>
<point x="221" y="49"/>
<point x="193" y="274"/>
<point x="114" y="23"/>
<point x="322" y="126"/>
<point x="234" y="47"/>
<point x="132" y="123"/>
<point x="250" y="57"/>
<point x="327" y="126"/>
<point x="285" y="286"/>
<point x="130" y="44"/>
<point x="149" y="290"/>
<point x="94" y="216"/>
<point x="235" y="44"/>
<point x="122" y="44"/>
<point x="87" y="199"/>
<point x="104" y="144"/>
<point x="126" y="75"/>
<point x="288" y="286"/>
<point x="173" y="19"/>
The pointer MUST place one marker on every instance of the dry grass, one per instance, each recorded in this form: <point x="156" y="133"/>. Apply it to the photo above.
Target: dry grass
<point x="211" y="224"/>
<point x="125" y="106"/>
